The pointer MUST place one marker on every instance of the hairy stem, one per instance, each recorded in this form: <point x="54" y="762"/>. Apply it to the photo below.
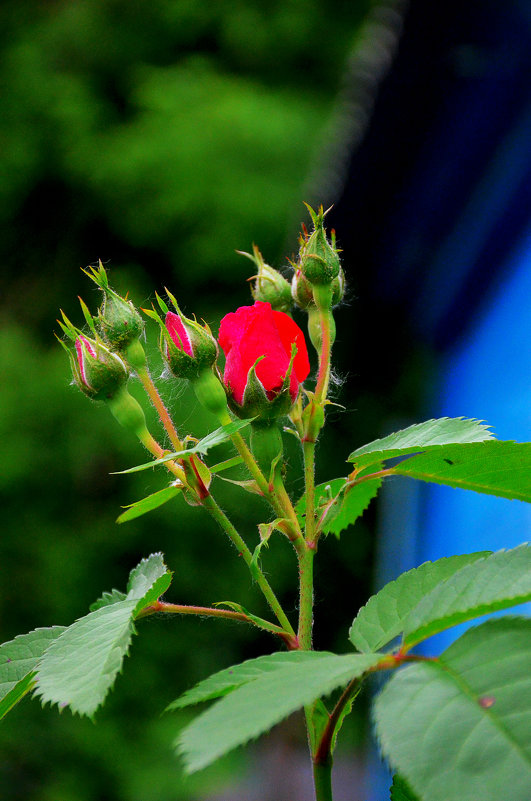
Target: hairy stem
<point x="276" y="495"/>
<point x="158" y="403"/>
<point x="304" y="634"/>
<point x="309" y="483"/>
<point x="323" y="377"/>
<point x="223" y="521"/>
<point x="151" y="444"/>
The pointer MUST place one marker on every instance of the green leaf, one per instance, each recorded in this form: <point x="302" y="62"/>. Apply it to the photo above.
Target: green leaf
<point x="494" y="467"/>
<point x="258" y="705"/>
<point x="149" y="503"/>
<point x="338" y="505"/>
<point x="459" y="728"/>
<point x="225" y="681"/>
<point x="420" y="437"/>
<point x="18" y="660"/>
<point x="148" y="581"/>
<point x="498" y="581"/>
<point x="80" y="666"/>
<point x="401" y="791"/>
<point x="218" y="436"/>
<point x="108" y="598"/>
<point x="384" y="615"/>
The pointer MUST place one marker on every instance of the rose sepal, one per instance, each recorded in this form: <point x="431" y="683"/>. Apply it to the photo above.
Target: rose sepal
<point x="256" y="403"/>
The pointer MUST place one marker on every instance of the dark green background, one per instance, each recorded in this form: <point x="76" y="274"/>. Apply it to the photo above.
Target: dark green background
<point x="159" y="137"/>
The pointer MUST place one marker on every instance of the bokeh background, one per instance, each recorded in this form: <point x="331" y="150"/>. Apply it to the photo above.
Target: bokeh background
<point x="160" y="137"/>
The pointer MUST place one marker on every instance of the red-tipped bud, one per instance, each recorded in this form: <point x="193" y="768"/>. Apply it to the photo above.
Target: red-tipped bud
<point x="266" y="362"/>
<point x="97" y="372"/>
<point x="188" y="347"/>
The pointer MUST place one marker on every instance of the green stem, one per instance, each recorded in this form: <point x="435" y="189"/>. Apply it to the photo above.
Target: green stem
<point x="223" y="521"/>
<point x="304" y="634"/>
<point x="276" y="495"/>
<point x="323" y="377"/>
<point x="322" y="777"/>
<point x="309" y="484"/>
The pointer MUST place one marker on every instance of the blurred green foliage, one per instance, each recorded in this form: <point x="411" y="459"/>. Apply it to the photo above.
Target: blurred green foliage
<point x="159" y="137"/>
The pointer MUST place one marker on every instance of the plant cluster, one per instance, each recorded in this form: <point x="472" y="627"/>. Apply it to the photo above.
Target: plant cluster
<point x="455" y="726"/>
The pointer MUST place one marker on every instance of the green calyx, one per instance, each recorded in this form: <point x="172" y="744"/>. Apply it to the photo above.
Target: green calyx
<point x="318" y="258"/>
<point x="268" y="285"/>
<point x="118" y="321"/>
<point x="257" y="404"/>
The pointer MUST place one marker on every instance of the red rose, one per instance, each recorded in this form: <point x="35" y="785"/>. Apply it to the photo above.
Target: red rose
<point x="257" y="331"/>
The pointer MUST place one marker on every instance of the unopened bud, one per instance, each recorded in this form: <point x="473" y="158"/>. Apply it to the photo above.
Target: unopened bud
<point x="318" y="258"/>
<point x="97" y="372"/>
<point x="268" y="285"/>
<point x="119" y="323"/>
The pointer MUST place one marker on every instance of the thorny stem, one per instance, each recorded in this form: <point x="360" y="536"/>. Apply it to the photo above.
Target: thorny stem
<point x="158" y="403"/>
<point x="223" y="521"/>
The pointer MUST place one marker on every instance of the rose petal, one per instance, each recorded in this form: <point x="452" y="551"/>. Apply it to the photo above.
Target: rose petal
<point x="178" y="333"/>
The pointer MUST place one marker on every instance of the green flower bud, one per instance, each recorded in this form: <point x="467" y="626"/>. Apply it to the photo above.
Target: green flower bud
<point x="269" y="286"/>
<point x="97" y="372"/>
<point x="119" y="322"/>
<point x="318" y="258"/>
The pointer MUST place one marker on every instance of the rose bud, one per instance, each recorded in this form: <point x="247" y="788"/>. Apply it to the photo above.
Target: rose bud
<point x="266" y="361"/>
<point x="97" y="372"/>
<point x="269" y="286"/>
<point x="189" y="348"/>
<point x="119" y="323"/>
<point x="318" y="258"/>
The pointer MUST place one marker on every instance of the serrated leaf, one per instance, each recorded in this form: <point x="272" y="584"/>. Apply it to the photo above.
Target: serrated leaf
<point x="498" y="581"/>
<point x="459" y="728"/>
<point x="384" y="615"/>
<point x="18" y="659"/>
<point x="80" y="666"/>
<point x="494" y="467"/>
<point x="401" y="791"/>
<point x="337" y="505"/>
<point x="218" y="436"/>
<point x="256" y="706"/>
<point x="108" y="598"/>
<point x="148" y="581"/>
<point x="149" y="503"/>
<point x="420" y="437"/>
<point x="225" y="681"/>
